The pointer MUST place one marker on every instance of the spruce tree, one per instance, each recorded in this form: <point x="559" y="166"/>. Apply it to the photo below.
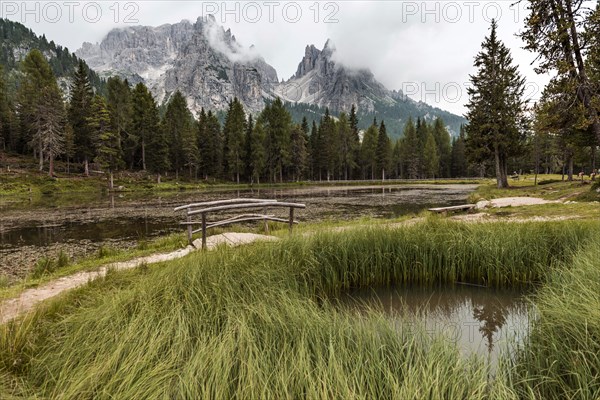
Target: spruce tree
<point x="233" y="132"/>
<point x="384" y="152"/>
<point x="444" y="147"/>
<point x="119" y="103"/>
<point x="459" y="157"/>
<point x="355" y="141"/>
<point x="5" y="117"/>
<point x="146" y="127"/>
<point x="315" y="152"/>
<point x="411" y="147"/>
<point x="259" y="154"/>
<point x="210" y="145"/>
<point x="553" y="30"/>
<point x="368" y="152"/>
<point x="105" y="139"/>
<point x="496" y="110"/>
<point x="299" y="157"/>
<point x="431" y="159"/>
<point x="347" y="150"/>
<point x="277" y="124"/>
<point x="79" y="112"/>
<point x="144" y="124"/>
<point x="178" y="126"/>
<point x="41" y="109"/>
<point x="248" y="149"/>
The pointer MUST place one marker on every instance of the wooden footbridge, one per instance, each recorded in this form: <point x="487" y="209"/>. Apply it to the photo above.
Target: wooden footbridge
<point x="191" y="211"/>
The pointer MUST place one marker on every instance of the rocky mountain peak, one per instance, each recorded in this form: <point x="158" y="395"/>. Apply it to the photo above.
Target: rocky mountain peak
<point x="201" y="60"/>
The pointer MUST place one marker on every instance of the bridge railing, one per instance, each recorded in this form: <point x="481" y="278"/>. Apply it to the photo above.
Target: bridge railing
<point x="191" y="211"/>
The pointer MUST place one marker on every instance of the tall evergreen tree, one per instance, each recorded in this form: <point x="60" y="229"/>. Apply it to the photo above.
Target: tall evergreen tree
<point x="277" y="123"/>
<point x="79" y="112"/>
<point x="431" y="159"/>
<point x="210" y="144"/>
<point x="553" y="30"/>
<point x="120" y="109"/>
<point x="5" y="114"/>
<point x="299" y="156"/>
<point x="248" y="148"/>
<point x="411" y="147"/>
<point x="144" y="124"/>
<point x="259" y="154"/>
<point x="347" y="146"/>
<point x="41" y="109"/>
<point x="459" y="158"/>
<point x="368" y="152"/>
<point x="354" y="141"/>
<point x="384" y="151"/>
<point x="178" y="125"/>
<point x="496" y="110"/>
<point x="152" y="139"/>
<point x="444" y="147"/>
<point x="233" y="132"/>
<point x="315" y="152"/>
<point x="105" y="139"/>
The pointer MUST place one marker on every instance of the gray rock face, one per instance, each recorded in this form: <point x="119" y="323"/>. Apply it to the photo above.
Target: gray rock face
<point x="321" y="81"/>
<point x="201" y="60"/>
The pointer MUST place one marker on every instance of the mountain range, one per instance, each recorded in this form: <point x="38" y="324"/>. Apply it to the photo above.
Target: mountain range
<point x="209" y="67"/>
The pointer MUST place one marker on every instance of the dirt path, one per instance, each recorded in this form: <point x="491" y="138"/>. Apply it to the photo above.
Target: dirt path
<point x="12" y="308"/>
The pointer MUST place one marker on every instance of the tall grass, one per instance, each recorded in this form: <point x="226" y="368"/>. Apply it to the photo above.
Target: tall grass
<point x="561" y="359"/>
<point x="254" y="322"/>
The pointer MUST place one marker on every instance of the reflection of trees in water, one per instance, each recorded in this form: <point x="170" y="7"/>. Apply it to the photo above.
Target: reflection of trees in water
<point x="492" y="314"/>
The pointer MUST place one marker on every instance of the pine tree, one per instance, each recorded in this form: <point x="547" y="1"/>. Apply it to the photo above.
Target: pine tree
<point x="144" y="124"/>
<point x="368" y="152"/>
<point x="299" y="157"/>
<point x="444" y="147"/>
<point x="4" y="113"/>
<point x="459" y="158"/>
<point x="178" y="126"/>
<point x="384" y="151"/>
<point x="354" y="142"/>
<point x="120" y="109"/>
<point x="248" y="149"/>
<point x="259" y="154"/>
<point x="50" y="125"/>
<point x="431" y="159"/>
<point x="347" y="145"/>
<point x="233" y="131"/>
<point x="397" y="160"/>
<point x="277" y="124"/>
<point x="411" y="147"/>
<point x="496" y="110"/>
<point x="315" y="152"/>
<point x="41" y="109"/>
<point x="104" y="138"/>
<point x="210" y="145"/>
<point x="146" y="127"/>
<point x="79" y="112"/>
<point x="422" y="129"/>
<point x="553" y="31"/>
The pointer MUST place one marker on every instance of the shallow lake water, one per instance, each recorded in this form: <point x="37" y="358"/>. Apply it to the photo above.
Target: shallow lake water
<point x="478" y="320"/>
<point x="79" y="224"/>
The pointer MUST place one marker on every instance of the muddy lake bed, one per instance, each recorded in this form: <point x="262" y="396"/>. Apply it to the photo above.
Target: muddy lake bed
<point x="79" y="224"/>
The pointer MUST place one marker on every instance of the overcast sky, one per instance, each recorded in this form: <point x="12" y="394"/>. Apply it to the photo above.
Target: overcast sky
<point x="424" y="48"/>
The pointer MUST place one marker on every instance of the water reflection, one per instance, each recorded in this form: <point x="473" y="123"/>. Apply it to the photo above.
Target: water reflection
<point x="478" y="320"/>
<point x="126" y="215"/>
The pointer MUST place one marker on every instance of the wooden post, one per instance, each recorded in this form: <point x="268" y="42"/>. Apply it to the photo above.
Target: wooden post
<point x="203" y="231"/>
<point x="189" y="230"/>
<point x="291" y="219"/>
<point x="266" y="221"/>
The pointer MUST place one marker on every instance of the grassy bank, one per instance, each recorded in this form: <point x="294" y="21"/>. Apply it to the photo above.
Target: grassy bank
<point x="549" y="187"/>
<point x="254" y="322"/>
